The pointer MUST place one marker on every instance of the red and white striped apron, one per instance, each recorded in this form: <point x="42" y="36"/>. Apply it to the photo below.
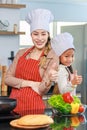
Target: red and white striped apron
<point x="27" y="99"/>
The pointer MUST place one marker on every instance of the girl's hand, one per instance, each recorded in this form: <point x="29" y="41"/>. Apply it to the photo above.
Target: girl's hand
<point x="77" y="79"/>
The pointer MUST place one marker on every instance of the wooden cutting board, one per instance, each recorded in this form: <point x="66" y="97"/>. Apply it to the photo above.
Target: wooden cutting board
<point x="13" y="123"/>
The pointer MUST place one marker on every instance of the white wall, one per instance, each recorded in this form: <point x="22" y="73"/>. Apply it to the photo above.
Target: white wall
<point x="63" y="11"/>
<point x="9" y="43"/>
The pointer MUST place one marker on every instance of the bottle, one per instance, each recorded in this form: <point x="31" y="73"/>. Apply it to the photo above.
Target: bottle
<point x="15" y="29"/>
<point x="0" y="77"/>
<point x="3" y="85"/>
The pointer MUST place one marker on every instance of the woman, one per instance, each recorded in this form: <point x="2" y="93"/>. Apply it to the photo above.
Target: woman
<point x="33" y="69"/>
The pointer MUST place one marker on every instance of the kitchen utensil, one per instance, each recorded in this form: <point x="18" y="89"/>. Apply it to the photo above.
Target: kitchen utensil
<point x="7" y="104"/>
<point x="9" y="116"/>
<point x="4" y="25"/>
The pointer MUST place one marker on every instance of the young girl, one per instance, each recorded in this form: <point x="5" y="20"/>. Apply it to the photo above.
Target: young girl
<point x="64" y="48"/>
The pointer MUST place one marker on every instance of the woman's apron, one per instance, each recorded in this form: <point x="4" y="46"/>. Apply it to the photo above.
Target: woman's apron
<point x="27" y="99"/>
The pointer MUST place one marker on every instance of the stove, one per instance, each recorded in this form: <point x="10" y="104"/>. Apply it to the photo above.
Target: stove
<point x="9" y="116"/>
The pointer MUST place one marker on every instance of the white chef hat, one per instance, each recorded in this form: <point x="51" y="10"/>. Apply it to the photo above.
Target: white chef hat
<point x="62" y="42"/>
<point x="39" y="19"/>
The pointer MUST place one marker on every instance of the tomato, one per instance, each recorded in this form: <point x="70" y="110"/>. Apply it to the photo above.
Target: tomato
<point x="69" y="128"/>
<point x="81" y="109"/>
<point x="81" y="118"/>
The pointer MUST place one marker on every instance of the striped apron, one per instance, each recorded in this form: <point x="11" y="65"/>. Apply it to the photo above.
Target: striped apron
<point x="27" y="99"/>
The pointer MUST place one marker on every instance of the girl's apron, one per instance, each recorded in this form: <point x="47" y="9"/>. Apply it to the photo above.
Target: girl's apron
<point x="27" y="99"/>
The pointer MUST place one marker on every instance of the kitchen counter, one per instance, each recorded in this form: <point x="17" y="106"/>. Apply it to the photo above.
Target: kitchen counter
<point x="61" y="121"/>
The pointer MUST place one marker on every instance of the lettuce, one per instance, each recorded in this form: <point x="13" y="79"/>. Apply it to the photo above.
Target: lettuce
<point x="57" y="102"/>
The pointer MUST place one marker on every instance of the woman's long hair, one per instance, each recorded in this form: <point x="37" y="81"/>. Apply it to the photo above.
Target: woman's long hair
<point x="46" y="51"/>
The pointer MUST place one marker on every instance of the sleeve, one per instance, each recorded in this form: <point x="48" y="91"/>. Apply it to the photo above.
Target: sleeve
<point x="10" y="78"/>
<point x="63" y="82"/>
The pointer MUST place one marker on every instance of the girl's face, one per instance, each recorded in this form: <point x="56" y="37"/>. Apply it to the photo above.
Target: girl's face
<point x="67" y="57"/>
<point x="40" y="38"/>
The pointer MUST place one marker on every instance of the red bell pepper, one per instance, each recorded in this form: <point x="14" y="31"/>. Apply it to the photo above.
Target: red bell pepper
<point x="69" y="128"/>
<point x="67" y="97"/>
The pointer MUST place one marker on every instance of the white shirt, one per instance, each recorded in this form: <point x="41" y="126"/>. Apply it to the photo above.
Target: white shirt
<point x="63" y="81"/>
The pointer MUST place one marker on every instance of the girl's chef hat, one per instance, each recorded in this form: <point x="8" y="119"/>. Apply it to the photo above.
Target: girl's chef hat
<point x="39" y="19"/>
<point x="62" y="42"/>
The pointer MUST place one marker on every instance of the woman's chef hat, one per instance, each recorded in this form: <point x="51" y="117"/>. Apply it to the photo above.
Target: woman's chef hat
<point x="39" y="19"/>
<point x="62" y="42"/>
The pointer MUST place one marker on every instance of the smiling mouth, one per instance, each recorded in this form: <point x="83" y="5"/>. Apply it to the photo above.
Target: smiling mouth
<point x="39" y="43"/>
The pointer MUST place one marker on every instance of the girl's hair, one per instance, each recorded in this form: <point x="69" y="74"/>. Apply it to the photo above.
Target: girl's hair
<point x="70" y="68"/>
<point x="43" y="59"/>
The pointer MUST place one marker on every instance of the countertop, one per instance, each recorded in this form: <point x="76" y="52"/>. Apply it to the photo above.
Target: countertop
<point x="61" y="121"/>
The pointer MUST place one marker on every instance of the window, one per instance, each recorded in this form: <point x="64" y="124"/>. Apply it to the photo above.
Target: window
<point x="25" y="40"/>
<point x="60" y="24"/>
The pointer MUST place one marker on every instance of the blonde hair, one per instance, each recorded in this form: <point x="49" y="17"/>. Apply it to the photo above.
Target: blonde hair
<point x="43" y="59"/>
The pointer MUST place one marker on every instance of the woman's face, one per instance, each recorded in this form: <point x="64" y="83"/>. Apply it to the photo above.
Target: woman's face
<point x="40" y="38"/>
<point x="67" y="57"/>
